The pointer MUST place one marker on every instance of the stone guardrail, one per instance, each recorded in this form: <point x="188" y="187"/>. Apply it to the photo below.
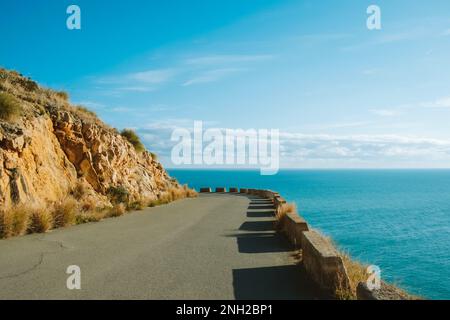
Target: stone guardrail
<point x="321" y="260"/>
<point x="323" y="263"/>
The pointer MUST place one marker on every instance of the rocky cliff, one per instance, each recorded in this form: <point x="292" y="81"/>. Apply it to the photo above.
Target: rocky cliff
<point x="50" y="149"/>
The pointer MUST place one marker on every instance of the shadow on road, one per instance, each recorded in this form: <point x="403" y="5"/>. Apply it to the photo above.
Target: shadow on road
<point x="273" y="283"/>
<point x="261" y="242"/>
<point x="260" y="214"/>
<point x="257" y="226"/>
<point x="262" y="206"/>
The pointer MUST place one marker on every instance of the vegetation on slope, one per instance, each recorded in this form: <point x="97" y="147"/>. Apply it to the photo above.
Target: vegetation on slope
<point x="133" y="138"/>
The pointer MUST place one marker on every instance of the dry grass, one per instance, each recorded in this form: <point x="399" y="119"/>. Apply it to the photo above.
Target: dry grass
<point x="356" y="272"/>
<point x="41" y="220"/>
<point x="64" y="213"/>
<point x="10" y="108"/>
<point x="190" y="193"/>
<point x="14" y="222"/>
<point x="62" y="94"/>
<point x="282" y="212"/>
<point x="138" y="205"/>
<point x="91" y="216"/>
<point x="117" y="211"/>
<point x="79" y="191"/>
<point x="177" y="194"/>
<point x="134" y="139"/>
<point x="89" y="205"/>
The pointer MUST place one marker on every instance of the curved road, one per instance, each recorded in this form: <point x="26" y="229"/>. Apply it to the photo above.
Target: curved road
<point x="217" y="246"/>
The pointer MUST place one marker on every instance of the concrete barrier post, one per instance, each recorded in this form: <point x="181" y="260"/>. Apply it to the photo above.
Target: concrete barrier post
<point x="323" y="263"/>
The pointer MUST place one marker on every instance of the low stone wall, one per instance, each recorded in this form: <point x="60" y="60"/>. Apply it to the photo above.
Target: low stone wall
<point x="321" y="260"/>
<point x="323" y="263"/>
<point x="205" y="190"/>
<point x="294" y="226"/>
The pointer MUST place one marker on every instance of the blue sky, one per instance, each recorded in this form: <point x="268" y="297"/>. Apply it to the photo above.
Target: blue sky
<point x="342" y="95"/>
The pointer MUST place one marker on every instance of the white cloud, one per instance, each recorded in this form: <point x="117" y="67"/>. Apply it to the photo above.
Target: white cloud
<point x="153" y="76"/>
<point x="136" y="89"/>
<point x="227" y="59"/>
<point x="438" y="103"/>
<point x="91" y="104"/>
<point x="325" y="150"/>
<point x="386" y="112"/>
<point x="212" y="76"/>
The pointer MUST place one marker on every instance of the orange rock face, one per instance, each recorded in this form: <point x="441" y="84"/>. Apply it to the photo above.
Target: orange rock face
<point x="44" y="155"/>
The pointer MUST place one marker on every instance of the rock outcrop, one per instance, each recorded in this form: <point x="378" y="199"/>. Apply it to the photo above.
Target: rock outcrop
<point x="53" y="147"/>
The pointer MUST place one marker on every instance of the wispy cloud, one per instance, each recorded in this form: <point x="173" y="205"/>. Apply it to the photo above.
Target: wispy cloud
<point x="387" y="39"/>
<point x="386" y="112"/>
<point x="227" y="59"/>
<point x="153" y="76"/>
<point x="438" y="103"/>
<point x="136" y="89"/>
<point x="212" y="76"/>
<point x="325" y="150"/>
<point x="90" y="104"/>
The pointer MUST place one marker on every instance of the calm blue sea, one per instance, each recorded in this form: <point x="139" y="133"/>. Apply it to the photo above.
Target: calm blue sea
<point x="396" y="219"/>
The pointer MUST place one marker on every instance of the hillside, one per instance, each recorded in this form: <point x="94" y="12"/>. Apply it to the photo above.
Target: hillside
<point x="51" y="150"/>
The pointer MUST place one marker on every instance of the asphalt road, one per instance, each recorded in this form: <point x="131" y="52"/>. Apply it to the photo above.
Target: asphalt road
<point x="217" y="246"/>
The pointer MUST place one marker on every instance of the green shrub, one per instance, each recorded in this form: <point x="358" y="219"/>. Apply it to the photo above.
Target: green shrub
<point x="63" y="95"/>
<point x="154" y="156"/>
<point x="10" y="107"/>
<point x="118" y="194"/>
<point x="133" y="138"/>
<point x="29" y="84"/>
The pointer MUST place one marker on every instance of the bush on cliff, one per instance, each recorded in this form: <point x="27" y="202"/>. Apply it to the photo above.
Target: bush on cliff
<point x="118" y="194"/>
<point x="117" y="211"/>
<point x="41" y="220"/>
<point x="14" y="222"/>
<point x="63" y="95"/>
<point x="10" y="108"/>
<point x="64" y="212"/>
<point x="133" y="138"/>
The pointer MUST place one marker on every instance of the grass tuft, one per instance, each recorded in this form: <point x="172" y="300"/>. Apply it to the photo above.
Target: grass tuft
<point x="133" y="138"/>
<point x="281" y="214"/>
<point x="41" y="220"/>
<point x="117" y="211"/>
<point x="10" y="108"/>
<point x="14" y="222"/>
<point x="63" y="95"/>
<point x="64" y="213"/>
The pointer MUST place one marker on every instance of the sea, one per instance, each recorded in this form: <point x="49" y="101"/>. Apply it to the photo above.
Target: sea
<point x="398" y="220"/>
